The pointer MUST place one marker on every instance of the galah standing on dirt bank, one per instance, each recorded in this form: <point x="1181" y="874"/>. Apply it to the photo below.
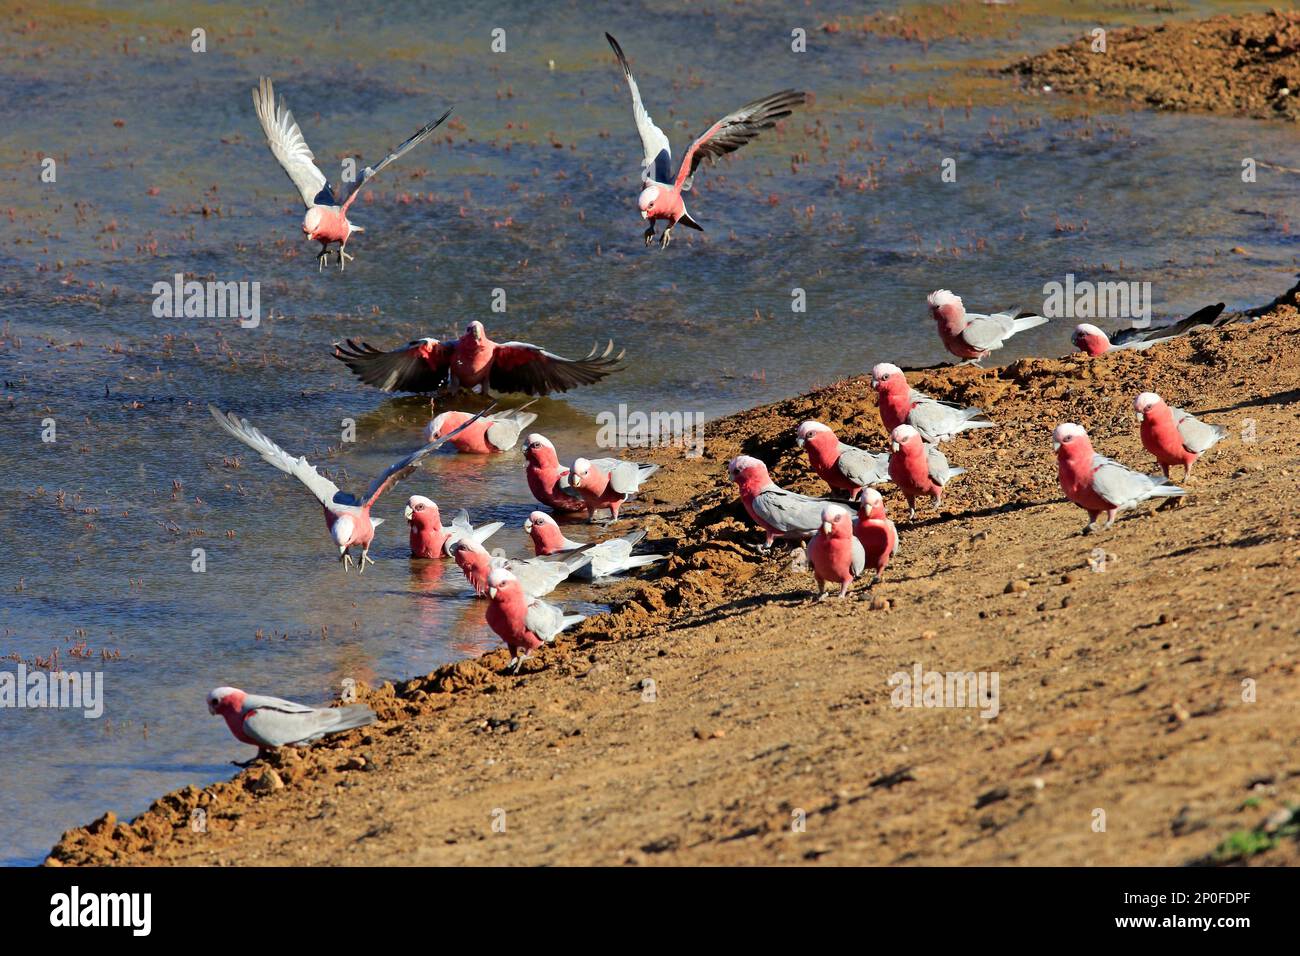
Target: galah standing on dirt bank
<point x="270" y="722"/>
<point x="1174" y="436"/>
<point x="429" y="539"/>
<point x="607" y="483"/>
<point x="326" y="220"/>
<point x="662" y="196"/>
<point x="1092" y="340"/>
<point x="780" y="513"/>
<point x="900" y="404"/>
<point x="490" y="434"/>
<point x="525" y="623"/>
<point x="1089" y="338"/>
<point x="538" y="576"/>
<point x="836" y="556"/>
<point x="474" y="361"/>
<point x="918" y="469"/>
<point x="607" y="558"/>
<point x="841" y="466"/>
<point x="1098" y="484"/>
<point x="877" y="533"/>
<point x="971" y="336"/>
<point x="346" y="515"/>
<point x="547" y="480"/>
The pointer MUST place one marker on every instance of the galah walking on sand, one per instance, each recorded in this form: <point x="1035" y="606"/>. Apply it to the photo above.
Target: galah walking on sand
<point x="524" y="622"/>
<point x="1174" y="436"/>
<point x="474" y="361"/>
<point x="780" y="513"/>
<point x="661" y="197"/>
<point x="877" y="533"/>
<point x="607" y="483"/>
<point x="270" y="722"/>
<point x="430" y="539"/>
<point x="346" y="515"/>
<point x="537" y="576"/>
<point x="607" y="558"/>
<point x="900" y="404"/>
<point x="971" y="336"/>
<point x="547" y="480"/>
<point x="836" y="555"/>
<point x="1089" y="338"/>
<point x="1098" y="484"/>
<point x="326" y="220"/>
<point x="918" y="469"/>
<point x="490" y="434"/>
<point x="841" y="466"/>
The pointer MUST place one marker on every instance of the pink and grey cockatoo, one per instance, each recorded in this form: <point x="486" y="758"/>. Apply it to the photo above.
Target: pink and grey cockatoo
<point x="491" y="434"/>
<point x="836" y="555"/>
<point x="346" y="515"/>
<point x="1088" y="338"/>
<point x="524" y="622"/>
<point x="270" y="722"/>
<point x="430" y="538"/>
<point x="326" y="220"/>
<point x="1092" y="340"/>
<point x="878" y="535"/>
<point x="538" y="576"/>
<point x="607" y="483"/>
<point x="780" y="513"/>
<point x="607" y="557"/>
<point x="971" y="336"/>
<point x="900" y="404"/>
<point x="1100" y="485"/>
<point x="841" y="466"/>
<point x="474" y="361"/>
<point x="547" y="479"/>
<point x="918" y="469"/>
<point x="661" y="197"/>
<point x="1174" y="436"/>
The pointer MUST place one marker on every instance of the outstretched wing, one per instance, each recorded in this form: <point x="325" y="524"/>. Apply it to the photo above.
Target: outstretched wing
<point x="521" y="367"/>
<point x="736" y="129"/>
<point x="289" y="147"/>
<point x="657" y="161"/>
<point x="400" y="469"/>
<point x="326" y="492"/>
<point x="419" y="366"/>
<point x="370" y="173"/>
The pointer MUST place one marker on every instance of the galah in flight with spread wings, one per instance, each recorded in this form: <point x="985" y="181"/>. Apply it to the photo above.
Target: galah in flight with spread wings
<point x="326" y="220"/>
<point x="662" y="196"/>
<point x="270" y="722"/>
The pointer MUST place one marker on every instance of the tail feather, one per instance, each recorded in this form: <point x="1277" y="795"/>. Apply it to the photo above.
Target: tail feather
<point x="1027" y="322"/>
<point x="376" y="522"/>
<point x="353" y="716"/>
<point x="482" y="533"/>
<point x="569" y="620"/>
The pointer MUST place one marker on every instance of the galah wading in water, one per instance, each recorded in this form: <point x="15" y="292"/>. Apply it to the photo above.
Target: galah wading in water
<point x="607" y="483"/>
<point x="661" y="198"/>
<point x="537" y="576"/>
<point x="326" y="220"/>
<point x="524" y="622"/>
<point x="430" y="539"/>
<point x="971" y="336"/>
<point x="841" y="466"/>
<point x="607" y="557"/>
<point x="779" y="513"/>
<point x="489" y="435"/>
<point x="919" y="470"/>
<point x="346" y="515"/>
<point x="1100" y="485"/>
<point x="1174" y="436"/>
<point x="1088" y="338"/>
<point x="900" y="404"/>
<point x="547" y="479"/>
<point x="877" y="533"/>
<point x="268" y="723"/>
<point x="836" y="555"/>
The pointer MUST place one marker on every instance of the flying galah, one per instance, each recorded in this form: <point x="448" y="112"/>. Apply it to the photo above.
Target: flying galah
<point x="269" y="722"/>
<point x="346" y="515"/>
<point x="841" y="466"/>
<point x="326" y="220"/>
<point x="661" y="197"/>
<point x="549" y="482"/>
<point x="1088" y="338"/>
<point x="607" y="558"/>
<point x="490" y="434"/>
<point x="538" y="576"/>
<point x="901" y="404"/>
<point x="780" y="513"/>
<point x="522" y="621"/>
<point x="474" y="361"/>
<point x="917" y="468"/>
<point x="878" y="535"/>
<point x="1098" y="484"/>
<point x="971" y="336"/>
<point x="1174" y="436"/>
<point x="429" y="539"/>
<point x="836" y="556"/>
<point x="607" y="483"/>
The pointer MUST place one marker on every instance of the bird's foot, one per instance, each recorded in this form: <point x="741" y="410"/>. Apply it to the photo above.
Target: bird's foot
<point x="320" y="260"/>
<point x="513" y="665"/>
<point x="344" y="258"/>
<point x="365" y="559"/>
<point x="649" y="235"/>
<point x="666" y="238"/>
<point x="821" y="596"/>
<point x="244" y="764"/>
<point x="346" y="560"/>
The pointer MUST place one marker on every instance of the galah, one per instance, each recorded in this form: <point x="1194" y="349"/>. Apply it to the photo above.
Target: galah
<point x="538" y="576"/>
<point x="326" y="220"/>
<point x="918" y="469"/>
<point x="661" y="197"/>
<point x="607" y="483"/>
<point x="346" y="515"/>
<point x="607" y="558"/>
<point x="547" y="480"/>
<point x="270" y="722"/>
<point x="900" y="404"/>
<point x="1100" y="485"/>
<point x="524" y="622"/>
<point x="878" y="535"/>
<point x="474" y="361"/>
<point x="971" y="336"/>
<point x="836" y="555"/>
<point x="429" y="539"/>
<point x="1174" y="436"/>
<point x="1089" y="338"/>
<point x="780" y="513"/>
<point x="1092" y="340"/>
<point x="490" y="434"/>
<point x="841" y="466"/>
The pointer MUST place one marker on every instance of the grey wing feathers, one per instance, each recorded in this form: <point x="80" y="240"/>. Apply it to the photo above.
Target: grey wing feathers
<point x="858" y="562"/>
<point x="657" y="153"/>
<point x="416" y="138"/>
<point x="738" y="128"/>
<point x="788" y="512"/>
<point x="1122" y="487"/>
<point x="625" y="477"/>
<point x="548" y="620"/>
<point x="273" y="726"/>
<point x="326" y="492"/>
<point x="940" y="470"/>
<point x="289" y="147"/>
<point x="403" y="467"/>
<point x="987" y="331"/>
<point x="863" y="467"/>
<point x="1197" y="436"/>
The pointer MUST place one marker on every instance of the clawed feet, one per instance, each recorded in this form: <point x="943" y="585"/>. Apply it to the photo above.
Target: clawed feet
<point x="666" y="238"/>
<point x="649" y="235"/>
<point x="344" y="258"/>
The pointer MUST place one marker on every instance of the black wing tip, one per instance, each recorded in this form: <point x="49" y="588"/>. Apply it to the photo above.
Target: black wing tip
<point x="618" y="52"/>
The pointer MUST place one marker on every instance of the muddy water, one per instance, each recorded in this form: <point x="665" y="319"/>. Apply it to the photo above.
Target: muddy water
<point x="161" y="168"/>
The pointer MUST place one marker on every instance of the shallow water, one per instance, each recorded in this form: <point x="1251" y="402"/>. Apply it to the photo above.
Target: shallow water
<point x="532" y="191"/>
